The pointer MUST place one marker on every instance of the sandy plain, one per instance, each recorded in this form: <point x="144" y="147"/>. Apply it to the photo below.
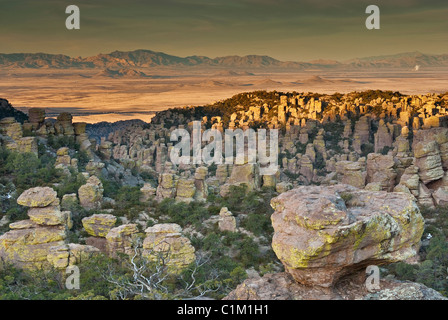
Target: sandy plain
<point x="91" y="97"/>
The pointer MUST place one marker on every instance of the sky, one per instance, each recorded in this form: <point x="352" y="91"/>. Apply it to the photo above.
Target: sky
<point x="294" y="30"/>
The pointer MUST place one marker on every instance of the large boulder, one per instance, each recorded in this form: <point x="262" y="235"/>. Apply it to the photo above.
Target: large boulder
<point x="50" y="216"/>
<point x="99" y="225"/>
<point x="28" y="246"/>
<point x="165" y="241"/>
<point x="28" y="242"/>
<point x="325" y="233"/>
<point x="38" y="197"/>
<point x="245" y="174"/>
<point x="437" y="135"/>
<point x="121" y="239"/>
<point x="441" y="196"/>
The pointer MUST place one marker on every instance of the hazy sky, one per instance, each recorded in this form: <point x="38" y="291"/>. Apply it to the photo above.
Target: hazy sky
<point x="299" y="30"/>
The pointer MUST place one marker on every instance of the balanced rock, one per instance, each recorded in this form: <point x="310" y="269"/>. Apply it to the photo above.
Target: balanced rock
<point x="324" y="233"/>
<point x="28" y="247"/>
<point x="38" y="197"/>
<point x="29" y="241"/>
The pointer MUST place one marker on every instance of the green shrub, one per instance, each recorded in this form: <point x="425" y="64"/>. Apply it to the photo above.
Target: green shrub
<point x="258" y="224"/>
<point x="346" y="196"/>
<point x="110" y="187"/>
<point x="71" y="184"/>
<point x="249" y="253"/>
<point x="193" y="213"/>
<point x="57" y="142"/>
<point x="367" y="148"/>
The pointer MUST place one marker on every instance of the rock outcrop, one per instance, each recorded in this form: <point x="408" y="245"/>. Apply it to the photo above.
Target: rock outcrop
<point x="226" y="221"/>
<point x="91" y="194"/>
<point x="71" y="254"/>
<point x="282" y="286"/>
<point x="381" y="169"/>
<point x="29" y="241"/>
<point x="99" y="225"/>
<point x="166" y="241"/>
<point x="121" y="239"/>
<point x="325" y="233"/>
<point x="327" y="236"/>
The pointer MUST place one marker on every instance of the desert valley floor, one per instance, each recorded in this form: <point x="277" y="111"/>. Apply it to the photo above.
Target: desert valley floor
<point x="92" y="96"/>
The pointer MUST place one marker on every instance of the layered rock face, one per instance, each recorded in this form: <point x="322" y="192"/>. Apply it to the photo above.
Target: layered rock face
<point x="99" y="225"/>
<point x="14" y="139"/>
<point x="121" y="239"/>
<point x="428" y="161"/>
<point x="70" y="254"/>
<point x="325" y="233"/>
<point x="36" y="125"/>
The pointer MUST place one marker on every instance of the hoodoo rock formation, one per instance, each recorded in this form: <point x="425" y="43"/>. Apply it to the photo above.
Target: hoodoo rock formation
<point x="326" y="237"/>
<point x="320" y="237"/>
<point x="354" y="171"/>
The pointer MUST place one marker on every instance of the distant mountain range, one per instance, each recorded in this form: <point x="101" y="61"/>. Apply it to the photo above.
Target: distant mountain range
<point x="122" y="73"/>
<point x="148" y="59"/>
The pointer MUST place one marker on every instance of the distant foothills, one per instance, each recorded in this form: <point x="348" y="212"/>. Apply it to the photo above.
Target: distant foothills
<point x="149" y="59"/>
